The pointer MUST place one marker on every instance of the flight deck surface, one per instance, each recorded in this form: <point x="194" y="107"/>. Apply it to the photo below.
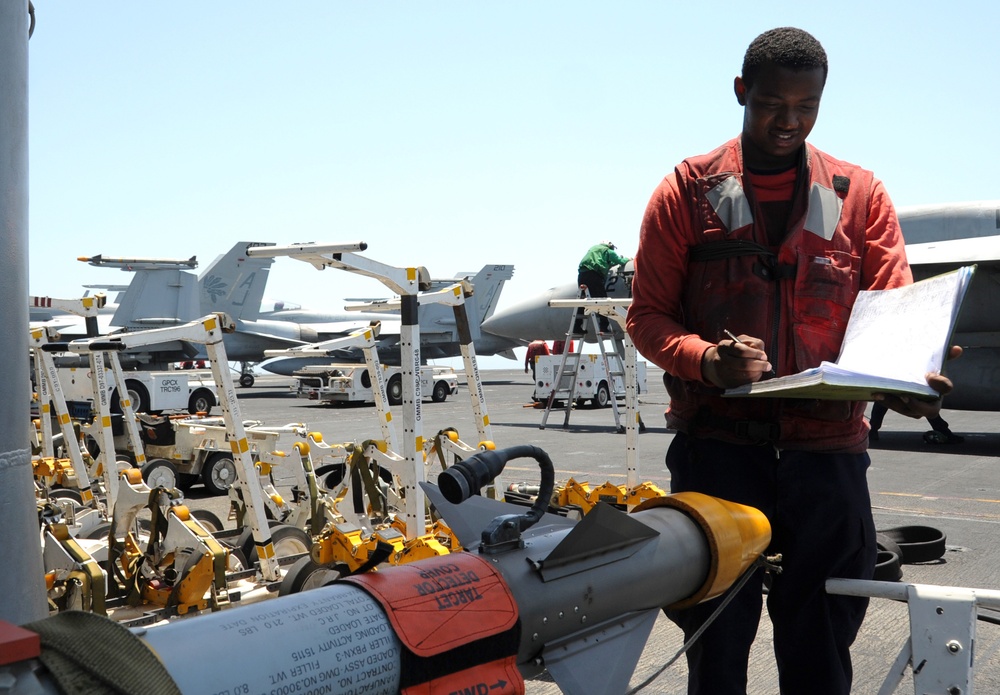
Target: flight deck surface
<point x="954" y="488"/>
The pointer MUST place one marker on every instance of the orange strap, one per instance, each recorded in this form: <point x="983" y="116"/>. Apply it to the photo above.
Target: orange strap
<point x="443" y="602"/>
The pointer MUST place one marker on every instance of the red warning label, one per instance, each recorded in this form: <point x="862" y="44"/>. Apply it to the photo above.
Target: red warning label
<point x="442" y="602"/>
<point x="495" y="678"/>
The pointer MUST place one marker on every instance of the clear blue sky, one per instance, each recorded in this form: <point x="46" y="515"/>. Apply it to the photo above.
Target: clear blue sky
<point x="453" y="134"/>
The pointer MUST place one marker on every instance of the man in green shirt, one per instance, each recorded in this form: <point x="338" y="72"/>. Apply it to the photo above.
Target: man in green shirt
<point x="593" y="273"/>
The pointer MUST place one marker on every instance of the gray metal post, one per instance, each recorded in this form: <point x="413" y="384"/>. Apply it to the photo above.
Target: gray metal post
<point x="22" y="585"/>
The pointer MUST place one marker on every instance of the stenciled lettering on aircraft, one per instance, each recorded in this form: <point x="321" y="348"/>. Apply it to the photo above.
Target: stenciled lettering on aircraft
<point x="245" y="286"/>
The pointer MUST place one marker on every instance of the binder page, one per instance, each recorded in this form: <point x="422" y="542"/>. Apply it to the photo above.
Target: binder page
<point x="902" y="333"/>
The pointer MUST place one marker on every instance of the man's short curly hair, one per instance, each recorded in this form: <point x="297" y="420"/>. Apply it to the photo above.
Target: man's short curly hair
<point x="787" y="47"/>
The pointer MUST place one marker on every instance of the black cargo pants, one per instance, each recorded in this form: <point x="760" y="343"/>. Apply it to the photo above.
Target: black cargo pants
<point x="821" y="522"/>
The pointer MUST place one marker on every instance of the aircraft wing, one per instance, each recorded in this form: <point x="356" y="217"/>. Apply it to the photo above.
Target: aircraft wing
<point x="71" y="327"/>
<point x="981" y="250"/>
<point x="335" y="329"/>
<point x="975" y="374"/>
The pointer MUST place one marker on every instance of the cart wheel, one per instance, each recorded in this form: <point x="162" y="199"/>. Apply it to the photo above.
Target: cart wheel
<point x="237" y="562"/>
<point x="99" y="532"/>
<point x="306" y="574"/>
<point x="160" y="473"/>
<point x="206" y="518"/>
<point x="186" y="480"/>
<point x="65" y="493"/>
<point x="219" y="473"/>
<point x="287" y="540"/>
<point x="330" y="475"/>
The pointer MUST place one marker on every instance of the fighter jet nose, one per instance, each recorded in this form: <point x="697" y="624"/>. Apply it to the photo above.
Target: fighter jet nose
<point x="505" y="325"/>
<point x="512" y="324"/>
<point x="533" y="318"/>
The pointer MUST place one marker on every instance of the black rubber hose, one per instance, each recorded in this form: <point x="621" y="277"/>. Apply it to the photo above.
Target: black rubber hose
<point x="467" y="477"/>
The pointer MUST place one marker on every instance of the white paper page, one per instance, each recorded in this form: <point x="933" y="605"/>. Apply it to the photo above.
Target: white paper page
<point x="901" y="333"/>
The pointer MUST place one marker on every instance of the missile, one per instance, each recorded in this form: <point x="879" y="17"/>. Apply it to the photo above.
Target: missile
<point x="130" y="264"/>
<point x="532" y="592"/>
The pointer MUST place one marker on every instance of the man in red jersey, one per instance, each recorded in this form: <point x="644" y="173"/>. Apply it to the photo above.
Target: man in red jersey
<point x="771" y="239"/>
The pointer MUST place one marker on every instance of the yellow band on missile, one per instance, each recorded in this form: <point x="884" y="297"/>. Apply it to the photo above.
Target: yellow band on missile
<point x="736" y="534"/>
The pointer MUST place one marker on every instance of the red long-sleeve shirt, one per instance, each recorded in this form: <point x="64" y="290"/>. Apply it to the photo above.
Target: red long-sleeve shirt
<point x="666" y="299"/>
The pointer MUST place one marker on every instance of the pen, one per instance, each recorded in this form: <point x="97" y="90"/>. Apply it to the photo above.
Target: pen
<point x="729" y="334"/>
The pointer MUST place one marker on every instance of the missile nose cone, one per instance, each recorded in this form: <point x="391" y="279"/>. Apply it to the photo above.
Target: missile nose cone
<point x="736" y="534"/>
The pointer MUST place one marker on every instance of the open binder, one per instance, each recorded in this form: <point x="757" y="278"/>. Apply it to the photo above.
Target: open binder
<point x="893" y="339"/>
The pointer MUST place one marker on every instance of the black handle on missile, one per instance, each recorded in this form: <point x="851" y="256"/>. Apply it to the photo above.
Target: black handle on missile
<point x="459" y="482"/>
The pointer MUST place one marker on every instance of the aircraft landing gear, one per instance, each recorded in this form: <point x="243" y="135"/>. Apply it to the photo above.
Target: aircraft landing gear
<point x="246" y="375"/>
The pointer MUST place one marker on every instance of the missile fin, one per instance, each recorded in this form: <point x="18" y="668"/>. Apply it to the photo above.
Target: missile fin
<point x="603" y="536"/>
<point x="603" y="659"/>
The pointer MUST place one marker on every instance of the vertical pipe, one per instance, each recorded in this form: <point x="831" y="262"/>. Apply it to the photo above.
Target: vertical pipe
<point x="22" y="588"/>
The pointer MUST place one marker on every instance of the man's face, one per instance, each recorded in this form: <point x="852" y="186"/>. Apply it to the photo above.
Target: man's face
<point x="780" y="111"/>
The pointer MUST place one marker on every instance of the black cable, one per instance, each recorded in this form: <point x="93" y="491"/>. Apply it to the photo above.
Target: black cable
<point x="730" y="595"/>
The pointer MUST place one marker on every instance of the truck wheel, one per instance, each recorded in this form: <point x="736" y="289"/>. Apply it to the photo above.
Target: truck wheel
<point x="139" y="396"/>
<point x="160" y="473"/>
<point x="603" y="397"/>
<point x="246" y="380"/>
<point x="394" y="390"/>
<point x="218" y="473"/>
<point x="440" y="394"/>
<point x="201" y="401"/>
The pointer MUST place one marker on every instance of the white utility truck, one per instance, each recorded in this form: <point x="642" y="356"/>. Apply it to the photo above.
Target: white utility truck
<point x="351" y="383"/>
<point x="592" y="381"/>
<point x="149" y="391"/>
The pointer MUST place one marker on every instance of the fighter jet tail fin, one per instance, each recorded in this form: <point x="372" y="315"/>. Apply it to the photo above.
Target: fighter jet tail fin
<point x="156" y="298"/>
<point x="235" y="283"/>
<point x="487" y="285"/>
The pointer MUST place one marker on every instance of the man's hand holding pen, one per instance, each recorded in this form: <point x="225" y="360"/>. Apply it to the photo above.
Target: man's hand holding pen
<point x="735" y="361"/>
